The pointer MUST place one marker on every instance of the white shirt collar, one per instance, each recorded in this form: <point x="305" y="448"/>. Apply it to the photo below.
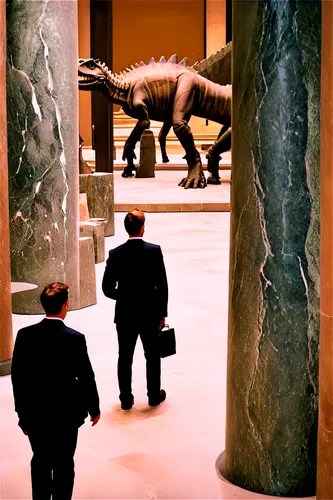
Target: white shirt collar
<point x="135" y="238"/>
<point x="59" y="319"/>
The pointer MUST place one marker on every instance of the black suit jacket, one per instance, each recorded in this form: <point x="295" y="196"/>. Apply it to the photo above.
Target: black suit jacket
<point x="52" y="377"/>
<point x="135" y="277"/>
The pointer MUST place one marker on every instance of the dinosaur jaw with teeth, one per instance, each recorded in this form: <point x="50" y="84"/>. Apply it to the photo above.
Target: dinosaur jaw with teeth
<point x="90" y="81"/>
<point x="86" y="78"/>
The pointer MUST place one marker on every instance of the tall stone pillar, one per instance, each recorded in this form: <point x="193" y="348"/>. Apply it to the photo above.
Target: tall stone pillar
<point x="102" y="110"/>
<point x="272" y="380"/>
<point x="325" y="428"/>
<point x="6" y="341"/>
<point x="42" y="104"/>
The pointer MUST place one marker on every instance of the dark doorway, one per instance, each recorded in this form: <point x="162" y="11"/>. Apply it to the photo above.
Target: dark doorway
<point x="229" y="21"/>
<point x="102" y="110"/>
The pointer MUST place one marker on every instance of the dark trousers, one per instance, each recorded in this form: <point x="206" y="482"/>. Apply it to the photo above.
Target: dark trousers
<point x="52" y="464"/>
<point x="127" y="337"/>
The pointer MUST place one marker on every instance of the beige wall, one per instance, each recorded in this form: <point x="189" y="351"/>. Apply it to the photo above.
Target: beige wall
<point x="144" y="28"/>
<point x="153" y="28"/>
<point x="215" y="25"/>
<point x="84" y="53"/>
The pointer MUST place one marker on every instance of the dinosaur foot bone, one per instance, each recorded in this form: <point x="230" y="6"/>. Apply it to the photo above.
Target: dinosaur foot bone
<point x="213" y="162"/>
<point x="195" y="178"/>
<point x="128" y="171"/>
<point x="213" y="180"/>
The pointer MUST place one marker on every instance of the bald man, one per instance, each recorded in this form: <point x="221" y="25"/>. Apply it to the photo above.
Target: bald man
<point x="135" y="278"/>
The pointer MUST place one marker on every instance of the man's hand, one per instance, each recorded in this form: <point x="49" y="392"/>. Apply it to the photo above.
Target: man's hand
<point x="94" y="420"/>
<point x="162" y="322"/>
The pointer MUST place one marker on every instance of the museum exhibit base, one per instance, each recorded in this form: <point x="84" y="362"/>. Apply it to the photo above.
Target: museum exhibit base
<point x="96" y="231"/>
<point x="146" y="167"/>
<point x="100" y="198"/>
<point x="83" y="207"/>
<point x="83" y="182"/>
<point x="88" y="295"/>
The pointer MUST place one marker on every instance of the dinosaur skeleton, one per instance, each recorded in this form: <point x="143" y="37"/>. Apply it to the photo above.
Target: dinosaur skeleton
<point x="170" y="92"/>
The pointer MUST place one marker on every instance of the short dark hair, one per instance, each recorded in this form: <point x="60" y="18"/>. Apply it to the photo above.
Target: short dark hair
<point x="54" y="296"/>
<point x="134" y="222"/>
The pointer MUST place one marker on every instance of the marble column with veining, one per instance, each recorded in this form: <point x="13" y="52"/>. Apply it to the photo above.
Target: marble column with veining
<point x="6" y="339"/>
<point x="42" y="107"/>
<point x="272" y="379"/>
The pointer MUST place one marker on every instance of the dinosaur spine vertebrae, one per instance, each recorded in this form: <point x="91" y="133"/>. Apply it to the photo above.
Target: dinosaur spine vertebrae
<point x="123" y="76"/>
<point x="117" y="88"/>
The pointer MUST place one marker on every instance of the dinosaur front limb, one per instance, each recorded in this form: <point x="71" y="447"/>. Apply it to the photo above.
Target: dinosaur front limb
<point x="130" y="167"/>
<point x="213" y="167"/>
<point x="183" y="105"/>
<point x="195" y="177"/>
<point x="133" y="138"/>
<point x="128" y="153"/>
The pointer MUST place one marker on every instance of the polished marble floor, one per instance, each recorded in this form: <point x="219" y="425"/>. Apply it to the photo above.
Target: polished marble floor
<point x="167" y="452"/>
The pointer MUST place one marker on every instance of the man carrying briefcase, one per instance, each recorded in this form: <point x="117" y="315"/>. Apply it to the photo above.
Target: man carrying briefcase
<point x="135" y="278"/>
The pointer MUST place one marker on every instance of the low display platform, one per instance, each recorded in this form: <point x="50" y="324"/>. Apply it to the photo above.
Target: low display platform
<point x="162" y="193"/>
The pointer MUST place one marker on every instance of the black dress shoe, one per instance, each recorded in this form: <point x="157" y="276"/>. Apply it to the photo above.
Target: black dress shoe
<point x="156" y="402"/>
<point x="127" y="405"/>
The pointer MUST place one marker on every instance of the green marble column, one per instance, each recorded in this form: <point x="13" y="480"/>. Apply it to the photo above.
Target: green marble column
<point x="272" y="379"/>
<point x="42" y="104"/>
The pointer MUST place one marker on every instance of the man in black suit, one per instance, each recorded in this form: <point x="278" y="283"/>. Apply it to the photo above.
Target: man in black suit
<point x="54" y="390"/>
<point x="135" y="277"/>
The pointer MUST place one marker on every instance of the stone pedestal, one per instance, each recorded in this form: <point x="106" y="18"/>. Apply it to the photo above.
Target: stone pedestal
<point x="87" y="273"/>
<point x="95" y="231"/>
<point x="147" y="155"/>
<point x="99" y="190"/>
<point x="82" y="182"/>
<point x="6" y="340"/>
<point x="42" y="104"/>
<point x="84" y="212"/>
<point x="325" y="428"/>
<point x="272" y="379"/>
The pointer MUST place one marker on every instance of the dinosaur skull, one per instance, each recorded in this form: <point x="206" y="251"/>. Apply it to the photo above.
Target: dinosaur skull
<point x="91" y="74"/>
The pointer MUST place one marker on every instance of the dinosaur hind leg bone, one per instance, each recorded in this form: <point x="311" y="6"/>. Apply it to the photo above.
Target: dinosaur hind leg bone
<point x="142" y="124"/>
<point x="162" y="140"/>
<point x="222" y="144"/>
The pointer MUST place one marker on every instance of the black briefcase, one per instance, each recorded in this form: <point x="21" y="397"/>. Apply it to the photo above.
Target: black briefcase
<point x="166" y="341"/>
